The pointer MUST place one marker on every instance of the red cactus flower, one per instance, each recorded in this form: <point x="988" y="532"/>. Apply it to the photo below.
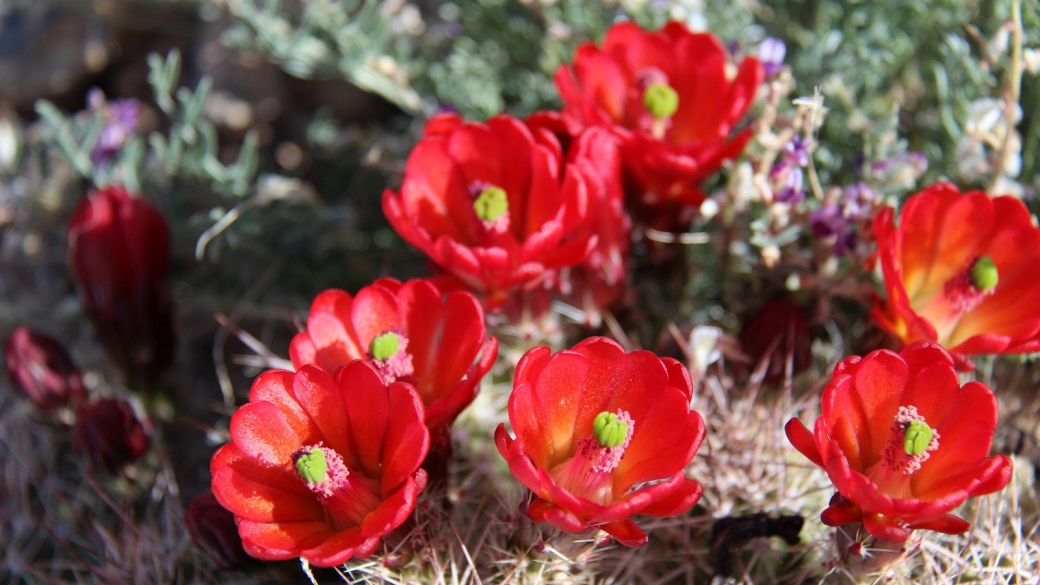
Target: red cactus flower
<point x="599" y="281"/>
<point x="780" y="328"/>
<point x="322" y="467"/>
<point x="672" y="99"/>
<point x="492" y="204"/>
<point x="213" y="530"/>
<point x="411" y="334"/>
<point x="961" y="270"/>
<point x="110" y="435"/>
<point x="118" y="253"/>
<point x="903" y="442"/>
<point x="41" y="369"/>
<point x="601" y="436"/>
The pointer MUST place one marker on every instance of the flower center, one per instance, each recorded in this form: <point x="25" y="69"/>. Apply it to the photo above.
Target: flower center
<point x="312" y="466"/>
<point x="388" y="352"/>
<point x="346" y="497"/>
<point x="660" y="100"/>
<point x="968" y="288"/>
<point x="911" y="443"/>
<point x="984" y="276"/>
<point x="917" y="438"/>
<point x="589" y="473"/>
<point x="608" y="430"/>
<point x="385" y="346"/>
<point x="491" y="206"/>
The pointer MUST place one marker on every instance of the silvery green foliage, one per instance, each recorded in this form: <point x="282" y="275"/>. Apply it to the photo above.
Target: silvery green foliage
<point x="188" y="150"/>
<point x="882" y="66"/>
<point x="479" y="57"/>
<point x="906" y="65"/>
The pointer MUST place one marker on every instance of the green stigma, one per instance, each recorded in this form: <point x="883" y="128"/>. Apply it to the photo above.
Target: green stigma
<point x="491" y="203"/>
<point x="312" y="466"/>
<point x="918" y="437"/>
<point x="608" y="430"/>
<point x="661" y="100"/>
<point x="384" y="346"/>
<point x="984" y="275"/>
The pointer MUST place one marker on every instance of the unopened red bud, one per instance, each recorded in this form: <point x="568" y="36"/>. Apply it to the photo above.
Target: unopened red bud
<point x="42" y="370"/>
<point x="110" y="434"/>
<point x="119" y="258"/>
<point x="782" y="328"/>
<point x="215" y="533"/>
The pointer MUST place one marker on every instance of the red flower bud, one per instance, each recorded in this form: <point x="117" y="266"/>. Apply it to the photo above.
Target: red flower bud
<point x="781" y="327"/>
<point x="109" y="433"/>
<point x="42" y="370"/>
<point x="118" y="253"/>
<point x="214" y="531"/>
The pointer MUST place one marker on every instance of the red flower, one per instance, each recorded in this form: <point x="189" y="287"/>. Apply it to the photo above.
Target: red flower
<point x="214" y="531"/>
<point x="598" y="282"/>
<point x="42" y="370"/>
<point x="961" y="270"/>
<point x="593" y="423"/>
<point x="118" y="252"/>
<point x="109" y="433"/>
<point x="670" y="97"/>
<point x="492" y="204"/>
<point x="435" y="341"/>
<point x="779" y="328"/>
<point x="321" y="467"/>
<point x="903" y="442"/>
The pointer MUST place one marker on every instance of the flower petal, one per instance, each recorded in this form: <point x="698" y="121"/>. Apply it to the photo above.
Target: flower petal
<point x="289" y="537"/>
<point x="947" y="524"/>
<point x="330" y="340"/>
<point x="802" y="439"/>
<point x="319" y="397"/>
<point x="392" y="511"/>
<point x="334" y="550"/>
<point x="557" y="396"/>
<point x="626" y="532"/>
<point x="407" y="440"/>
<point x="275" y="386"/>
<point x="366" y="403"/>
<point x="373" y="313"/>
<point x="260" y="431"/>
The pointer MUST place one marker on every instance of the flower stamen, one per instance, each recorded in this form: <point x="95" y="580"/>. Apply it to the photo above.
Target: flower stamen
<point x="911" y="442"/>
<point x="608" y="430"/>
<point x="968" y="288"/>
<point x="589" y="473"/>
<point x="346" y="497"/>
<point x="491" y="206"/>
<point x="388" y="353"/>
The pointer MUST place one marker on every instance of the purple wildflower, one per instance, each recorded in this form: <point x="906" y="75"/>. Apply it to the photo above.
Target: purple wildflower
<point x="796" y="152"/>
<point x="119" y="127"/>
<point x="792" y="191"/>
<point x="771" y="52"/>
<point x="857" y="201"/>
<point x="829" y="221"/>
<point x="916" y="161"/>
